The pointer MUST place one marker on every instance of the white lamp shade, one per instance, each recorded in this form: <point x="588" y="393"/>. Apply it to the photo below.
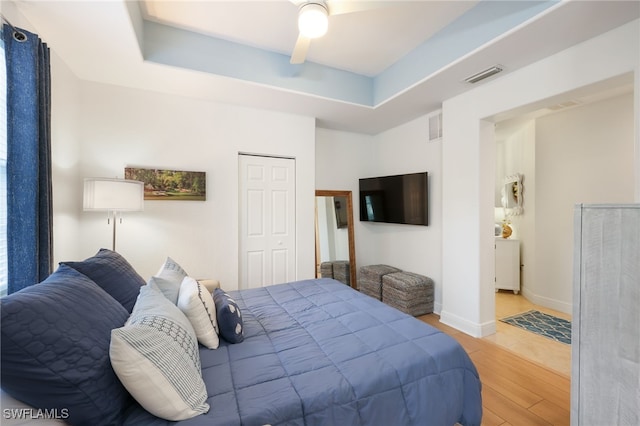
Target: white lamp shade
<point x="313" y="20"/>
<point x="101" y="194"/>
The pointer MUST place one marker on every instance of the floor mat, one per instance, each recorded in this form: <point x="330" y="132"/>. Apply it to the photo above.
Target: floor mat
<point x="543" y="324"/>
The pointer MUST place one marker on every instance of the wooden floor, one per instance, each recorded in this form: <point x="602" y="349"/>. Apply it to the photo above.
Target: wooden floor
<point x="543" y="350"/>
<point x="515" y="390"/>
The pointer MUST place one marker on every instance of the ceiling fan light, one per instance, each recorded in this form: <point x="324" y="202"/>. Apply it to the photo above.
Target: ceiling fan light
<point x="313" y="20"/>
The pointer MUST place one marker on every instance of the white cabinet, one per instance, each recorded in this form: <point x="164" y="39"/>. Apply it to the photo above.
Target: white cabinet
<point x="605" y="342"/>
<point x="507" y="254"/>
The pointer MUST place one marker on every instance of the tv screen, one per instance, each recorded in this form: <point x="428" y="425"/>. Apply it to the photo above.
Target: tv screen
<point x="395" y="199"/>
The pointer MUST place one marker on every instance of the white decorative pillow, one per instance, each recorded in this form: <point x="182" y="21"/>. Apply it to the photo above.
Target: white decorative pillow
<point x="168" y="287"/>
<point x="155" y="356"/>
<point x="198" y="306"/>
<point x="169" y="278"/>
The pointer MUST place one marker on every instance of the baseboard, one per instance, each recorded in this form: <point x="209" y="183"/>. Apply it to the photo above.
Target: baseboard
<point x="557" y="305"/>
<point x="471" y="328"/>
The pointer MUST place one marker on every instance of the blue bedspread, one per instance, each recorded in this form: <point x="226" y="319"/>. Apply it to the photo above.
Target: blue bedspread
<point x="317" y="352"/>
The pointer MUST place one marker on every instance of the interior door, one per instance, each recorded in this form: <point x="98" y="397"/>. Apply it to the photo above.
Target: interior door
<point x="267" y="220"/>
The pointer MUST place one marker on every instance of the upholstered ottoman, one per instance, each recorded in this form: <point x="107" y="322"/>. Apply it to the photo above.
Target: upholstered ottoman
<point x="341" y="271"/>
<point x="411" y="293"/>
<point x="326" y="270"/>
<point x="370" y="279"/>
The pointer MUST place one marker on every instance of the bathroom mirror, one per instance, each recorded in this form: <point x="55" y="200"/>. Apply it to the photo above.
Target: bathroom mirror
<point x="512" y="195"/>
<point x="334" y="235"/>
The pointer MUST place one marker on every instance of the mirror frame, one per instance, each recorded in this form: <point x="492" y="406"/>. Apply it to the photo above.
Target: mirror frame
<point x="513" y="183"/>
<point x="352" y="244"/>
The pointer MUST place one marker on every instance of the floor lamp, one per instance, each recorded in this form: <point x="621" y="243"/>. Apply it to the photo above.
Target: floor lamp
<point x="113" y="196"/>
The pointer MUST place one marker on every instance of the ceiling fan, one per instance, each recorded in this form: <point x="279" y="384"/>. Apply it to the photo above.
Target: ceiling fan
<point x="313" y="20"/>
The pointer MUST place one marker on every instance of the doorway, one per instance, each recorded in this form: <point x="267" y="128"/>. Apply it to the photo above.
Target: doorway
<point x="578" y="151"/>
<point x="267" y="228"/>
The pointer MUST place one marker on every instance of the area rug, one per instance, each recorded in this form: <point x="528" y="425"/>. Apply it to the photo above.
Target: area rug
<point x="543" y="324"/>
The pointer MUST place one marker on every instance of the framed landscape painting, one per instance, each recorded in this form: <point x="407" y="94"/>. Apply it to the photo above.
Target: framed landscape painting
<point x="175" y="185"/>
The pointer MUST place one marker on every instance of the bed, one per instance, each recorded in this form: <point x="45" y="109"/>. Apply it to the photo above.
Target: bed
<point x="317" y="352"/>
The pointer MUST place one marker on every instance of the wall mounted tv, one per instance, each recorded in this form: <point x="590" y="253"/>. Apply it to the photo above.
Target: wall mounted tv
<point x="395" y="199"/>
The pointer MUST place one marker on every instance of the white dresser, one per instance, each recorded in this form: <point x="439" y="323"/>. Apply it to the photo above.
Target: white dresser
<point x="507" y="254"/>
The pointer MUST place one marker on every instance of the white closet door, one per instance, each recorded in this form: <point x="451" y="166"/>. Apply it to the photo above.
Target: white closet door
<point x="267" y="220"/>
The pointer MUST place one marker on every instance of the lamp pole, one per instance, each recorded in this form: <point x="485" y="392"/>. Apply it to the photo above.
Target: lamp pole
<point x="114" y="231"/>
<point x="113" y="196"/>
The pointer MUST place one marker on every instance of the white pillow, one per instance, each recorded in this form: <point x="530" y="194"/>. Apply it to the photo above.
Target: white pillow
<point x="198" y="306"/>
<point x="170" y="267"/>
<point x="169" y="278"/>
<point x="155" y="356"/>
<point x="169" y="288"/>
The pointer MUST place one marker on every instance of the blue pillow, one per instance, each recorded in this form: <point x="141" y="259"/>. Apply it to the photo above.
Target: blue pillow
<point x="55" y="348"/>
<point x="114" y="274"/>
<point x="228" y="316"/>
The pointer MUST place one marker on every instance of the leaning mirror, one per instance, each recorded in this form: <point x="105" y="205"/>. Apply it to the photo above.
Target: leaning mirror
<point x="335" y="246"/>
<point x="512" y="195"/>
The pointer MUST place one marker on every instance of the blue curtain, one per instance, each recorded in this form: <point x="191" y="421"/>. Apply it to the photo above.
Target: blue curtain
<point x="29" y="208"/>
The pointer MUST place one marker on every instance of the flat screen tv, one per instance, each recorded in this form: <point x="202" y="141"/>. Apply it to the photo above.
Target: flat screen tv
<point x="395" y="199"/>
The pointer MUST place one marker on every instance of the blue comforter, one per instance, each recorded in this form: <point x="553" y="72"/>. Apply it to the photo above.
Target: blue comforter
<point x="319" y="352"/>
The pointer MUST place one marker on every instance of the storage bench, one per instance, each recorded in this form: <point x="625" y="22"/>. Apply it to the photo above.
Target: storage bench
<point x="339" y="270"/>
<point x="411" y="293"/>
<point x="370" y="279"/>
<point x="326" y="270"/>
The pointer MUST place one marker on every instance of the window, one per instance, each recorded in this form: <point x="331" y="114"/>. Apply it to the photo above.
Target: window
<point x="3" y="173"/>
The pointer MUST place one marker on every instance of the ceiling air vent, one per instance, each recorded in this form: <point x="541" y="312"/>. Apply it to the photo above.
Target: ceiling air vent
<point x="484" y="74"/>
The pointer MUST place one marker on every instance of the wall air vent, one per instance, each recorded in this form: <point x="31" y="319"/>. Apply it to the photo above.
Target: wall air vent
<point x="484" y="74"/>
<point x="435" y="126"/>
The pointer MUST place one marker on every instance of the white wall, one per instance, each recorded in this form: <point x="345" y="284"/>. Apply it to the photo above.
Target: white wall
<point x="579" y="155"/>
<point x="65" y="161"/>
<point x="469" y="163"/>
<point x="342" y="158"/>
<point x="517" y="155"/>
<point x="583" y="155"/>
<point x="120" y="127"/>
<point x="405" y="149"/>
